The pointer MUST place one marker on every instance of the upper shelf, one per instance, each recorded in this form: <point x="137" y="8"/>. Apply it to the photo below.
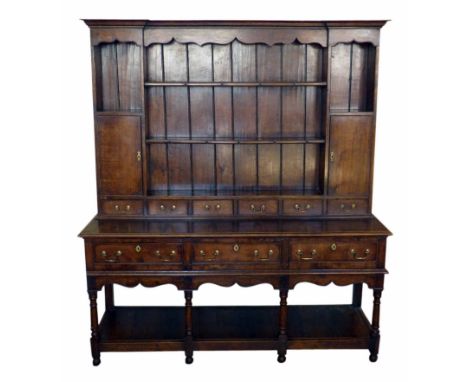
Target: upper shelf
<point x="239" y="84"/>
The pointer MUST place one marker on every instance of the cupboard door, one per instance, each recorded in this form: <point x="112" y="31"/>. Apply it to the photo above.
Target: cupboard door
<point x="119" y="155"/>
<point x="350" y="155"/>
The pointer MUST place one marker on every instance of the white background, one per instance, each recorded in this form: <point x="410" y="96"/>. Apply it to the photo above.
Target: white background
<point x="48" y="195"/>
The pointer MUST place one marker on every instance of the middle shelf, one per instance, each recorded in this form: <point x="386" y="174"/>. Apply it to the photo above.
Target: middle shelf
<point x="247" y="141"/>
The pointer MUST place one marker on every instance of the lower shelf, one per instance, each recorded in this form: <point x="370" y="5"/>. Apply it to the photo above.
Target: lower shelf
<point x="234" y="328"/>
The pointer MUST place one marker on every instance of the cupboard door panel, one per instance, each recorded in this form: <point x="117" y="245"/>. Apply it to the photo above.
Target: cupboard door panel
<point x="350" y="155"/>
<point x="119" y="155"/>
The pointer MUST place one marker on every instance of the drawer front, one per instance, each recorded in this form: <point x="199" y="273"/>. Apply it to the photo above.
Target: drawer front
<point x="255" y="207"/>
<point x="141" y="255"/>
<point x="212" y="207"/>
<point x="347" y="207"/>
<point x="302" y="207"/>
<point x="122" y="207"/>
<point x="247" y="253"/>
<point x="331" y="253"/>
<point x="116" y="254"/>
<point x="161" y="207"/>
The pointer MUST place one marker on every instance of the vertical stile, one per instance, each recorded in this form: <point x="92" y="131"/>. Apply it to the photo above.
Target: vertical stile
<point x="256" y="115"/>
<point x="214" y="122"/>
<point x="327" y="67"/>
<point x="166" y="145"/>
<point x="281" y="121"/>
<point x="145" y="152"/>
<point x="350" y="80"/>
<point x="232" y="120"/>
<point x="189" y="117"/>
<point x="305" y="122"/>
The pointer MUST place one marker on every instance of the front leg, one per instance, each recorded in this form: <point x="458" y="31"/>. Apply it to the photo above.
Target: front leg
<point x="375" y="331"/>
<point x="94" y="328"/>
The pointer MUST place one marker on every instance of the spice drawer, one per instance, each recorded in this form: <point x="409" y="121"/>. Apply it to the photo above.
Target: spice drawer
<point x="256" y="207"/>
<point x="122" y="207"/>
<point x="302" y="207"/>
<point x="212" y="207"/>
<point x="162" y="207"/>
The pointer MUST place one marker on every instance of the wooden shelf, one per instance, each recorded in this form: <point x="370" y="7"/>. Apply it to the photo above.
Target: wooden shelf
<point x="254" y="192"/>
<point x="234" y="327"/>
<point x="237" y="84"/>
<point x="245" y="141"/>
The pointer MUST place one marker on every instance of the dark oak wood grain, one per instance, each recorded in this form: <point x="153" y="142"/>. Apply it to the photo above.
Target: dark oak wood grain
<point x="234" y="152"/>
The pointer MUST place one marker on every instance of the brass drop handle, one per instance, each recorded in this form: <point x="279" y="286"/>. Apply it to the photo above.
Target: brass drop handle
<point x="258" y="257"/>
<point x="173" y="207"/>
<point x="297" y="207"/>
<point x="360" y="257"/>
<point x="216" y="253"/>
<point x="162" y="207"/>
<point x="127" y="207"/>
<point x="165" y="258"/>
<point x="332" y="156"/>
<point x="138" y="155"/>
<point x="253" y="208"/>
<point x="218" y="206"/>
<point x="116" y="207"/>
<point x="138" y="249"/>
<point x="300" y="254"/>
<point x="207" y="207"/>
<point x="112" y="259"/>
<point x="333" y="247"/>
<point x="236" y="248"/>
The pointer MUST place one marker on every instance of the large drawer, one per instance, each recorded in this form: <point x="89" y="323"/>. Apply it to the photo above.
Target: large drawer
<point x="224" y="254"/>
<point x="333" y="253"/>
<point x="144" y="255"/>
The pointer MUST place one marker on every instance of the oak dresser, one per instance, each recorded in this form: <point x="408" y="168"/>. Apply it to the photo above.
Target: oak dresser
<point x="234" y="152"/>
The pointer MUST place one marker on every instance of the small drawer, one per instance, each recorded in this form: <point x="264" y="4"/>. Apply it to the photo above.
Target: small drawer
<point x="330" y="253"/>
<point x="122" y="207"/>
<point x="262" y="253"/>
<point x="164" y="207"/>
<point x="302" y="207"/>
<point x="347" y="207"/>
<point x="116" y="254"/>
<point x="212" y="207"/>
<point x="258" y="207"/>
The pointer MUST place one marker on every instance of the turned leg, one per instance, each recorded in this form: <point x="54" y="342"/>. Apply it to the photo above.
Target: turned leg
<point x="188" y="327"/>
<point x="283" y="315"/>
<point x="357" y="295"/>
<point x="109" y="294"/>
<point x="94" y="328"/>
<point x="375" y="332"/>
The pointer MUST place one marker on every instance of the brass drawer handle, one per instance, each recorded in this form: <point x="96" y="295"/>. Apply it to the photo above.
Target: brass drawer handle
<point x="162" y="207"/>
<point x="253" y="208"/>
<point x="360" y="257"/>
<point x="138" y="248"/>
<point x="332" y="156"/>
<point x="113" y="259"/>
<point x="207" y="207"/>
<point x="236" y="248"/>
<point x="300" y="254"/>
<point x="299" y="208"/>
<point x="127" y="207"/>
<point x="206" y="257"/>
<point x="116" y="207"/>
<point x="138" y="156"/>
<point x="166" y="258"/>
<point x="259" y="258"/>
<point x="218" y="206"/>
<point x="333" y="247"/>
<point x="173" y="207"/>
<point x="343" y="206"/>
